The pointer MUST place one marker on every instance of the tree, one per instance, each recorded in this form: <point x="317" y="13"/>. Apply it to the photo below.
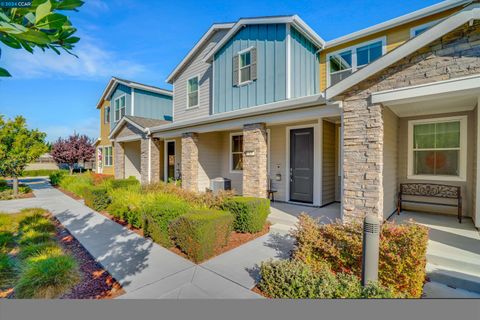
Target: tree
<point x="18" y="147"/>
<point x="72" y="150"/>
<point x="39" y="25"/>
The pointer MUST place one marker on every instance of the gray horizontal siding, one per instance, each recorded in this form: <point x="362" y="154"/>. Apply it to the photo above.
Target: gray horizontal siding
<point x="270" y="85"/>
<point x="152" y="105"/>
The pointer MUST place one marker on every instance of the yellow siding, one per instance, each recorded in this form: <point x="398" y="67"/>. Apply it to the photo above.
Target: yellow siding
<point x="395" y="37"/>
<point x="104" y="133"/>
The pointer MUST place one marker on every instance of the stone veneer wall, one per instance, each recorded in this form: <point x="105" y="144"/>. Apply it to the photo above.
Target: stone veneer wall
<point x="144" y="160"/>
<point x="255" y="175"/>
<point x="457" y="54"/>
<point x="119" y="161"/>
<point x="189" y="161"/>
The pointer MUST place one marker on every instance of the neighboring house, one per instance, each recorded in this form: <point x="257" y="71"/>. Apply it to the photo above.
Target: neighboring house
<point x="266" y="102"/>
<point x="44" y="162"/>
<point x="133" y="106"/>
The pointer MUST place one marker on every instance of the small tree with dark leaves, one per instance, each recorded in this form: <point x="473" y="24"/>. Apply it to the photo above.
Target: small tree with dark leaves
<point x="73" y="149"/>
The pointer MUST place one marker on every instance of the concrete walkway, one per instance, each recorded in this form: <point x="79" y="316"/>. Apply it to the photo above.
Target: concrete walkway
<point x="147" y="270"/>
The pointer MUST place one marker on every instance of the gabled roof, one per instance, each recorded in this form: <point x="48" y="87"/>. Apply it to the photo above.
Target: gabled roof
<point x="114" y="82"/>
<point x="413" y="16"/>
<point x="467" y="14"/>
<point x="295" y="20"/>
<point x="215" y="27"/>
<point x="140" y="123"/>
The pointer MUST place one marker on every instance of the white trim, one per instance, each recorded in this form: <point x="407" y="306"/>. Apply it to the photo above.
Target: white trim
<point x="449" y="87"/>
<point x="121" y="122"/>
<point x="230" y="152"/>
<point x="463" y="150"/>
<point x="104" y="157"/>
<point x="132" y="102"/>
<point x="149" y="159"/>
<point x="353" y="50"/>
<point x="239" y="53"/>
<point x="413" y="16"/>
<point x="477" y="177"/>
<point x="134" y="137"/>
<point x="165" y="159"/>
<point x="317" y="161"/>
<point x="289" y="58"/>
<point x="123" y="95"/>
<point x="472" y="12"/>
<point x="214" y="27"/>
<point x="189" y="107"/>
<point x="422" y="26"/>
<point x="302" y="27"/>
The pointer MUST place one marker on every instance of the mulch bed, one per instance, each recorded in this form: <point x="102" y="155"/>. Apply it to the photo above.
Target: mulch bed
<point x="260" y="292"/>
<point x="96" y="282"/>
<point x="68" y="193"/>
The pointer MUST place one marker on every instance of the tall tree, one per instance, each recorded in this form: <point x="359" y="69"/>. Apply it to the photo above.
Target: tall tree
<point x="18" y="147"/>
<point x="39" y="25"/>
<point x="73" y="149"/>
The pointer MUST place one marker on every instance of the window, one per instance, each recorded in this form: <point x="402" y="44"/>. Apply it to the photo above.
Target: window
<point x="108" y="156"/>
<point x="342" y="64"/>
<point x="106" y="115"/>
<point x="120" y="107"/>
<point x="421" y="29"/>
<point x="236" y="147"/>
<point x="192" y="91"/>
<point x="438" y="148"/>
<point x="245" y="64"/>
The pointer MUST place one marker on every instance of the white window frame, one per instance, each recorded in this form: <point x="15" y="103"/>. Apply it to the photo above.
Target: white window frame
<point x="105" y="156"/>
<point x="240" y="83"/>
<point x="230" y="151"/>
<point x="422" y="26"/>
<point x="119" y="113"/>
<point x="109" y="114"/>
<point x="198" y="92"/>
<point x="463" y="150"/>
<point x="353" y="50"/>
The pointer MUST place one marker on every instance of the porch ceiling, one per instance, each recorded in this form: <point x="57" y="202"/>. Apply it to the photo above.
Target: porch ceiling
<point x="434" y="106"/>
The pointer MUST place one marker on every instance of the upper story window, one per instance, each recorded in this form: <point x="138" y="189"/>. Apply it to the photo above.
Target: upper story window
<point x="106" y="115"/>
<point x="245" y="66"/>
<point x="120" y="107"/>
<point x="108" y="156"/>
<point x="192" y="92"/>
<point x="437" y="148"/>
<point x="415" y="31"/>
<point x="343" y="63"/>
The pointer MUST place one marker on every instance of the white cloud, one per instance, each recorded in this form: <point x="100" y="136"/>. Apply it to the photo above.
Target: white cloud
<point x="89" y="126"/>
<point x="92" y="62"/>
<point x="97" y="5"/>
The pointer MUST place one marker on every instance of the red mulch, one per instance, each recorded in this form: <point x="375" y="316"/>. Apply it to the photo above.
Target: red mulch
<point x="68" y="193"/>
<point x="96" y="282"/>
<point x="260" y="292"/>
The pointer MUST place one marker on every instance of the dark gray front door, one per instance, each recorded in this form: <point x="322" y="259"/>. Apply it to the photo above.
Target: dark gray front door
<point x="301" y="165"/>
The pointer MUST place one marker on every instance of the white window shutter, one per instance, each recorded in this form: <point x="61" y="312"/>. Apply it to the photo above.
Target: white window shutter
<point x="235" y="70"/>
<point x="253" y="65"/>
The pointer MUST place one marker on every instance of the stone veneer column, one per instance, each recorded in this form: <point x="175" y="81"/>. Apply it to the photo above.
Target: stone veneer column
<point x="155" y="160"/>
<point x="189" y="165"/>
<point x="363" y="159"/>
<point x="255" y="178"/>
<point x="144" y="160"/>
<point x="119" y="161"/>
<point x="150" y="160"/>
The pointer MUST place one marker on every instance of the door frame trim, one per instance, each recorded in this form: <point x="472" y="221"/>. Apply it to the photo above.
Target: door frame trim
<point x="317" y="161"/>
<point x="165" y="158"/>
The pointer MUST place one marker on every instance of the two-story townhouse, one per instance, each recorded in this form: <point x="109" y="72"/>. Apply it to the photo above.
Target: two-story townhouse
<point x="268" y="104"/>
<point x="127" y="108"/>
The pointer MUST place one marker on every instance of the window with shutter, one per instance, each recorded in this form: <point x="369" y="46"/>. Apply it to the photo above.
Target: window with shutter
<point x="245" y="66"/>
<point x="235" y="70"/>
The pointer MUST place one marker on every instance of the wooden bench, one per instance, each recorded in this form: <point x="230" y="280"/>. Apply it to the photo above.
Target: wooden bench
<point x="431" y="190"/>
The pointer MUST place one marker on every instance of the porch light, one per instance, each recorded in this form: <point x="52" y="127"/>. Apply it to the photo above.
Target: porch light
<point x="278" y="177"/>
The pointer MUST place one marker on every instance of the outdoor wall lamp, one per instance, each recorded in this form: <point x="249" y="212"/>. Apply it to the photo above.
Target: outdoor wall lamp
<point x="278" y="177"/>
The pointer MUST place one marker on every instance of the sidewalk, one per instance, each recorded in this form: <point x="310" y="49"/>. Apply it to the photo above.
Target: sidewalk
<point x="147" y="270"/>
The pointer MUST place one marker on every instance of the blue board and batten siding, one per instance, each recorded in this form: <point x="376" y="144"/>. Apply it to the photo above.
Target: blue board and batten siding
<point x="270" y="86"/>
<point x="304" y="66"/>
<point x="152" y="105"/>
<point x="119" y="91"/>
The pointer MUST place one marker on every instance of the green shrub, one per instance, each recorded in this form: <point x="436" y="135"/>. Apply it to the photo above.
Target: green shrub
<point x="7" y="241"/>
<point x="402" y="252"/>
<point x="124" y="183"/>
<point x="36" y="222"/>
<point x="77" y="183"/>
<point x="296" y="280"/>
<point x="3" y="184"/>
<point x="56" y="177"/>
<point x="125" y="204"/>
<point x="96" y="197"/>
<point x="47" y="276"/>
<point x="157" y="211"/>
<point x="250" y="213"/>
<point x="7" y="270"/>
<point x="199" y="233"/>
<point x="32" y="250"/>
<point x="33" y="237"/>
<point x="41" y="172"/>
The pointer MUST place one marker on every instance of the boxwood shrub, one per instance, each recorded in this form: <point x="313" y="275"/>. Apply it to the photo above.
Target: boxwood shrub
<point x="250" y="213"/>
<point x="96" y="197"/>
<point x="199" y="233"/>
<point x="402" y="252"/>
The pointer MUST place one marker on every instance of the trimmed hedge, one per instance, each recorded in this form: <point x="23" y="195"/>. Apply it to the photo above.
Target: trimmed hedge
<point x="402" y="252"/>
<point x="41" y="172"/>
<point x="296" y="280"/>
<point x="125" y="205"/>
<point x="124" y="183"/>
<point x="250" y="213"/>
<point x="96" y="197"/>
<point x="56" y="177"/>
<point x="199" y="233"/>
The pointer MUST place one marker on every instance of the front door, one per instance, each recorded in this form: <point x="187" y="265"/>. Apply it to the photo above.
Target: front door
<point x="301" y="165"/>
<point x="170" y="161"/>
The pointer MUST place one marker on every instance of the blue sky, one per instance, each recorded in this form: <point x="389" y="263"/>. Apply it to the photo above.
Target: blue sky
<point x="143" y="41"/>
